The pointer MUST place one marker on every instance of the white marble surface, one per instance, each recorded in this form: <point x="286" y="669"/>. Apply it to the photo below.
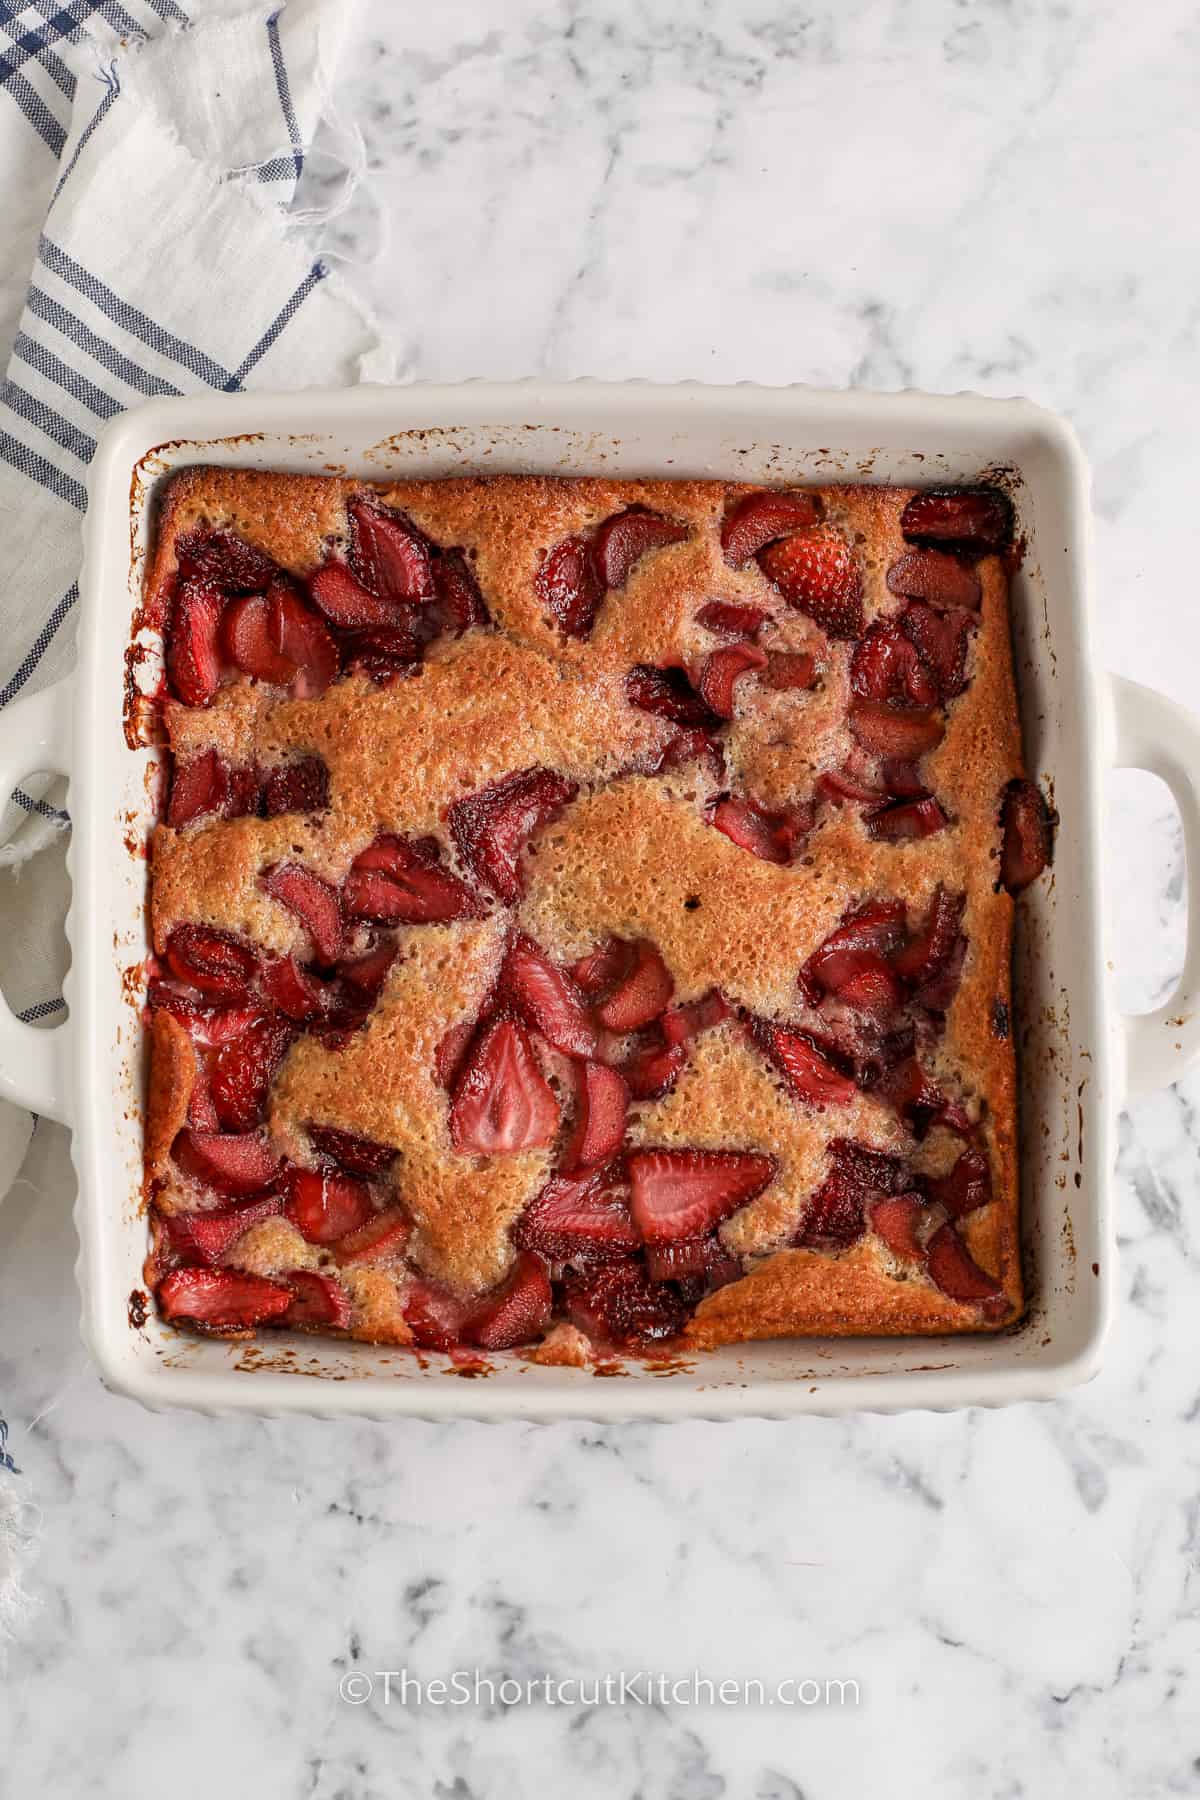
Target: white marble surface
<point x="994" y="196"/>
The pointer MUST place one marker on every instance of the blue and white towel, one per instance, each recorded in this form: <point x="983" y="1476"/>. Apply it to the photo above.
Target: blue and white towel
<point x="150" y="152"/>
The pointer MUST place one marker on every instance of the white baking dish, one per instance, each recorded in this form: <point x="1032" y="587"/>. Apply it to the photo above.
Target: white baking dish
<point x="1074" y="1052"/>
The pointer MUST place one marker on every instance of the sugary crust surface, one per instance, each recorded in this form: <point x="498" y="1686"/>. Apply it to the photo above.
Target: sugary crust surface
<point x="632" y="855"/>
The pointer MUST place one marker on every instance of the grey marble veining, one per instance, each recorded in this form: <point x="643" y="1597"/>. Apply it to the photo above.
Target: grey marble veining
<point x="997" y="197"/>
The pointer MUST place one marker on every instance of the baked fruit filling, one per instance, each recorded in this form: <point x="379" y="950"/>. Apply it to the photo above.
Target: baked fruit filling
<point x="582" y="912"/>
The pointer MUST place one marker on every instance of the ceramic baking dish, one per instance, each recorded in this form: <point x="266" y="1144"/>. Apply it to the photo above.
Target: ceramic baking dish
<point x="1078" y="1059"/>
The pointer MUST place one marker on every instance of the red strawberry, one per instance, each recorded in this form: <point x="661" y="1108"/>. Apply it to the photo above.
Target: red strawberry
<point x="492" y="827"/>
<point x="721" y="670"/>
<point x="546" y="998"/>
<point x="346" y="603"/>
<point x="839" y="786"/>
<point x="451" y="1049"/>
<point x="757" y="519"/>
<point x="953" y="1269"/>
<point x="502" y="1101"/>
<point x="231" y="1165"/>
<point x="434" y="1315"/>
<point x="323" y="1208"/>
<point x="902" y="779"/>
<point x="941" y="638"/>
<point x="516" y="1311"/>
<point x="669" y="694"/>
<point x="967" y="1186"/>
<point x="641" y="995"/>
<point x="933" y="576"/>
<point x="206" y="1024"/>
<point x="877" y="926"/>
<point x="208" y="1236"/>
<point x="904" y="819"/>
<point x="734" y="621"/>
<point x="605" y="966"/>
<point x="1028" y="842"/>
<point x="937" y="994"/>
<point x="390" y="556"/>
<point x="807" y="1065"/>
<point x="857" y="1178"/>
<point x="693" y="1258"/>
<point x="225" y="560"/>
<point x="318" y="1301"/>
<point x="292" y="989"/>
<point x="578" y="1219"/>
<point x="299" y="634"/>
<point x="213" y="961"/>
<point x="816" y="572"/>
<point x="973" y="519"/>
<point x="895" y="731"/>
<point x="569" y="587"/>
<point x="193" y="664"/>
<point x="886" y="666"/>
<point x="357" y="1155"/>
<point x="385" y="652"/>
<point x="653" y="1069"/>
<point x="459" y="603"/>
<point x="897" y="1221"/>
<point x="246" y="641"/>
<point x="625" y="538"/>
<point x="368" y="973"/>
<point x="395" y="883"/>
<point x="909" y="1089"/>
<point x="771" y="836"/>
<point x="198" y="787"/>
<point x="242" y="1072"/>
<point x="381" y="1236"/>
<point x="601" y="1099"/>
<point x="930" y="946"/>
<point x="312" y="901"/>
<point x="222" y="1300"/>
<point x="617" y="1303"/>
<point x="297" y="787"/>
<point x="684" y="1193"/>
<point x="680" y="1023"/>
<point x="872" y="988"/>
<point x="787" y="670"/>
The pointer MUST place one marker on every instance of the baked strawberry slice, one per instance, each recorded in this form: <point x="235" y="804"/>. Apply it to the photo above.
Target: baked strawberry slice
<point x="579" y="1219"/>
<point x="193" y="659"/>
<point x="222" y="1300"/>
<point x="198" y="787"/>
<point x="293" y="990"/>
<point x="313" y="902"/>
<point x="898" y="1221"/>
<point x="930" y="946"/>
<point x="653" y="1068"/>
<point x="384" y="1235"/>
<point x="641" y="995"/>
<point x="492" y="827"/>
<point x="324" y="1208"/>
<point x="942" y="639"/>
<point x="367" y="973"/>
<point x="913" y="1094"/>
<point x="669" y="694"/>
<point x="356" y="1155"/>
<point x="842" y="787"/>
<point x="893" y="731"/>
<point x="515" y="1312"/>
<point x="385" y="653"/>
<point x="817" y="572"/>
<point x="602" y="968"/>
<point x="678" y="1194"/>
<point x="451" y="1049"/>
<point x="319" y="1303"/>
<point x="300" y="636"/>
<point x="297" y="787"/>
<point x="731" y="621"/>
<point x="902" y="779"/>
<point x="617" y="1303"/>
<point x="502" y="1101"/>
<point x="771" y="836"/>
<point x="434" y="1315"/>
<point x="214" y="961"/>
<point x="836" y="1214"/>
<point x="810" y="1068"/>
<point x="390" y="556"/>
<point x="546" y="998"/>
<point x="937" y="994"/>
<point x="242" y="1071"/>
<point x="224" y="559"/>
<point x="246" y="641"/>
<point x="207" y="1024"/>
<point x="966" y="1187"/>
<point x="877" y="927"/>
<point x="954" y="1270"/>
<point x="244" y="1164"/>
<point x="684" y="1261"/>
<point x="887" y="665"/>
<point x="346" y="603"/>
<point x="934" y="576"/>
<point x="569" y="587"/>
<point x="972" y="519"/>
<point x="396" y="884"/>
<point x="624" y="539"/>
<point x="756" y="520"/>
<point x="601" y="1100"/>
<point x="682" y="1023"/>
<point x="790" y="670"/>
<point x="904" y="819"/>
<point x="721" y="670"/>
<point x="1028" y="841"/>
<point x="208" y="1236"/>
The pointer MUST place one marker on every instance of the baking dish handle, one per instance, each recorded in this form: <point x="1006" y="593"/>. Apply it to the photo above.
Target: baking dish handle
<point x="1154" y="733"/>
<point x="35" y="1065"/>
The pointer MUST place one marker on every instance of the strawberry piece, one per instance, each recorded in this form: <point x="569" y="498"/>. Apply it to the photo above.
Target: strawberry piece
<point x="434" y="1315"/>
<point x="232" y="1165"/>
<point x="395" y="884"/>
<point x="213" y="961"/>
<point x="368" y="973"/>
<point x="242" y="1072"/>
<point x="310" y="900"/>
<point x="941" y="638"/>
<point x="929" y="947"/>
<point x="624" y="539"/>
<point x="384" y="653"/>
<point x="721" y="670"/>
<point x="894" y="731"/>
<point x="390" y="556"/>
<point x="299" y="635"/>
<point x="966" y="1187"/>
<point x="492" y="827"/>
<point x="641" y="995"/>
<point x="877" y="927"/>
<point x="937" y="994"/>
<point x="516" y="1311"/>
<point x="954" y="1270"/>
<point x="385" y="1234"/>
<point x="346" y="603"/>
<point x="836" y="1214"/>
<point x="653" y="1068"/>
<point x="198" y="787"/>
<point x="357" y="1155"/>
<point x="225" y="560"/>
<point x="932" y="575"/>
<point x="840" y="787"/>
<point x="193" y="662"/>
<point x="246" y="641"/>
<point x="448" y="1057"/>
<point x="902" y="779"/>
<point x="682" y="1261"/>
<point x="208" y="1236"/>
<point x="324" y="1208"/>
<point x="757" y="519"/>
<point x="206" y="1024"/>
<point x="1028" y="841"/>
<point x="678" y="1194"/>
<point x="972" y="519"/>
<point x="458" y="603"/>
<point x="734" y="621"/>
<point x="771" y="836"/>
<point x="297" y="787"/>
<point x="318" y="1301"/>
<point x="872" y="988"/>
<point x="886" y="665"/>
<point x="546" y="998"/>
<point x="787" y="670"/>
<point x="669" y="694"/>
<point x="898" y="1221"/>
<point x="601" y="1101"/>
<point x="292" y="989"/>
<point x="681" y="1023"/>
<point x="222" y="1300"/>
<point x="904" y="819"/>
<point x="807" y="1065"/>
<point x="502" y="1101"/>
<point x="569" y="587"/>
<point x="915" y="1097"/>
<point x="605" y="966"/>
<point x="617" y="1303"/>
<point x="816" y="572"/>
<point x="579" y="1218"/>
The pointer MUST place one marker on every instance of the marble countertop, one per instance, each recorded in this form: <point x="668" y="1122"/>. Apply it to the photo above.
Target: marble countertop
<point x="990" y="197"/>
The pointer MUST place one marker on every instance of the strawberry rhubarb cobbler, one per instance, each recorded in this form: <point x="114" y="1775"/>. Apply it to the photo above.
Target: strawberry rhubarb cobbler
<point x="582" y="912"/>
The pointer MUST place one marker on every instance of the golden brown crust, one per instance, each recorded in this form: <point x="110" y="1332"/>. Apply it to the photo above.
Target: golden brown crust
<point x="172" y="1075"/>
